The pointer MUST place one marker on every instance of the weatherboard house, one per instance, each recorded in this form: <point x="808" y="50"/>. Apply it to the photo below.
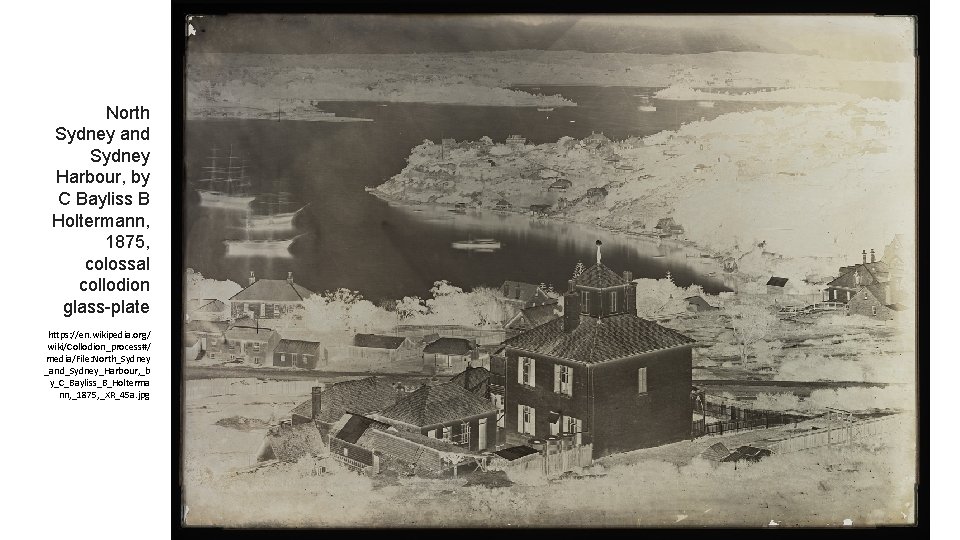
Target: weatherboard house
<point x="268" y="298"/>
<point x="599" y="374"/>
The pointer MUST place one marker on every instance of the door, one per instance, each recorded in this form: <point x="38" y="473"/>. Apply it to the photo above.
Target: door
<point x="482" y="434"/>
<point x="203" y="343"/>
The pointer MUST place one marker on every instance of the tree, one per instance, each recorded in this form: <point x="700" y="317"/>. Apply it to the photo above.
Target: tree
<point x="578" y="269"/>
<point x="750" y="324"/>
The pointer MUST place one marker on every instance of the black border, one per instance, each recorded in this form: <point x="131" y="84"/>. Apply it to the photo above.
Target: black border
<point x="921" y="13"/>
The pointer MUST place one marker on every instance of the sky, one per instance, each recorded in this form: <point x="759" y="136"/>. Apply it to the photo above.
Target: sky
<point x="855" y="37"/>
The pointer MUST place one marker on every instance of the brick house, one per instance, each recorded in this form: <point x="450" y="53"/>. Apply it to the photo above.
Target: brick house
<point x="299" y="353"/>
<point x="853" y="277"/>
<point x="599" y="374"/>
<point x="327" y="404"/>
<point x="268" y="298"/>
<point x="250" y="344"/>
<point x="445" y="411"/>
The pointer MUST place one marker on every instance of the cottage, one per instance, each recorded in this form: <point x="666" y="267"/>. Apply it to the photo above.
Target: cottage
<point x="599" y="374"/>
<point x="268" y="298"/>
<point x="668" y="227"/>
<point x="207" y="310"/>
<point x="596" y="195"/>
<point x="449" y="355"/>
<point x="878" y="300"/>
<point x="327" y="404"/>
<point x="503" y="204"/>
<point x="561" y="185"/>
<point x="522" y="295"/>
<point x="299" y="353"/>
<point x="516" y="142"/>
<point x="539" y="209"/>
<point x="250" y="344"/>
<point x="209" y="334"/>
<point x="383" y="348"/>
<point x="698" y="303"/>
<point x="445" y="411"/>
<point x="530" y="317"/>
<point x="776" y="285"/>
<point x="853" y="277"/>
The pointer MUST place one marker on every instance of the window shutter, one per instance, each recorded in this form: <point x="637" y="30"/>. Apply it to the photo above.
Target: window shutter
<point x="520" y="427"/>
<point x="520" y="370"/>
<point x="533" y="372"/>
<point x="569" y="381"/>
<point x="556" y="378"/>
<point x="533" y="421"/>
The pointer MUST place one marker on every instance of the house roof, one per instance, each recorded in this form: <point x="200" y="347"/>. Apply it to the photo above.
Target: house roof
<point x="297" y="346"/>
<point x="519" y="290"/>
<point x="599" y="276"/>
<point x="503" y="202"/>
<point x="449" y="345"/>
<point x="869" y="273"/>
<point x="777" y="281"/>
<point x="355" y="426"/>
<point x="665" y="223"/>
<point x="598" y="340"/>
<point x="437" y="404"/>
<point x="537" y="315"/>
<point x="210" y="327"/>
<point x="273" y="290"/>
<point x="377" y="341"/>
<point x="474" y="379"/>
<point x="359" y="396"/>
<point x="561" y="183"/>
<point x="384" y="438"/>
<point x="205" y="305"/>
<point x="249" y="332"/>
<point x="700" y="301"/>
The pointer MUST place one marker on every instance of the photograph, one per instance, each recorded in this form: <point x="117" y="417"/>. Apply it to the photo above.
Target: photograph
<point x="549" y="270"/>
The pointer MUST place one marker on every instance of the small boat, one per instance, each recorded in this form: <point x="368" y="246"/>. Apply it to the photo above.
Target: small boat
<point x="707" y="104"/>
<point x="482" y="245"/>
<point x="647" y="108"/>
<point x="573" y="121"/>
<point x="544" y="109"/>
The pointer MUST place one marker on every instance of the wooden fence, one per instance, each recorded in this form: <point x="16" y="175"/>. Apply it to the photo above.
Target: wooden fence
<point x="841" y="434"/>
<point x="555" y="463"/>
<point x="740" y="419"/>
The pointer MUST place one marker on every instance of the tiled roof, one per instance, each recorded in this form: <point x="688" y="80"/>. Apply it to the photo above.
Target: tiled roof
<point x="869" y="273"/>
<point x="358" y="396"/>
<point x="376" y="341"/>
<point x="304" y="409"/>
<point x="598" y="340"/>
<point x="474" y="379"/>
<point x="273" y="290"/>
<point x="599" y="276"/>
<point x="210" y="327"/>
<point x="449" y="345"/>
<point x="518" y="290"/>
<point x="538" y="315"/>
<point x="438" y="404"/>
<point x="249" y="332"/>
<point x="206" y="305"/>
<point x="297" y="346"/>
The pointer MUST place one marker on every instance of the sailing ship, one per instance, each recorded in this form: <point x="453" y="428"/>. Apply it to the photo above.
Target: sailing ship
<point x="258" y="248"/>
<point x="226" y="186"/>
<point x="276" y="215"/>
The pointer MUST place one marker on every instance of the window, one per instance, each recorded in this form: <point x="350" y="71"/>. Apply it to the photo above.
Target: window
<point x="563" y="379"/>
<point x="584" y="302"/>
<point x="848" y="296"/>
<point x="642" y="380"/>
<point x="432" y="434"/>
<point x="613" y="301"/>
<point x="501" y="413"/>
<point x="283" y="358"/>
<point x="834" y="294"/>
<point x="246" y="307"/>
<point x="276" y="310"/>
<point x="526" y="420"/>
<point x="464" y="437"/>
<point x="555" y="426"/>
<point x="481" y="434"/>
<point x="526" y="371"/>
<point x="263" y="310"/>
<point x="865" y="296"/>
<point x="874" y="310"/>
<point x="256" y="346"/>
<point x="575" y="426"/>
<point x="446" y="433"/>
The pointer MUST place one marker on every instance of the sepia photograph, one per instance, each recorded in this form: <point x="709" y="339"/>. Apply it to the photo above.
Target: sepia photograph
<point x="549" y="270"/>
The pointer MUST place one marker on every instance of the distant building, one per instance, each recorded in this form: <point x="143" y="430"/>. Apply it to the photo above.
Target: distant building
<point x="530" y="317"/>
<point x="191" y="348"/>
<point x="210" y="335"/>
<point x="445" y="411"/>
<point x="503" y="204"/>
<point x="561" y="185"/>
<point x="596" y="195"/>
<point x="516" y="142"/>
<point x="878" y="300"/>
<point x="268" y="298"/>
<point x="776" y="285"/>
<point x="599" y="374"/>
<point x="668" y="227"/>
<point x="449" y="355"/>
<point x="474" y="379"/>
<point x="525" y="295"/>
<point x="383" y="348"/>
<point x="250" y="344"/>
<point x="539" y="209"/>
<point x="852" y="278"/>
<point x="299" y="353"/>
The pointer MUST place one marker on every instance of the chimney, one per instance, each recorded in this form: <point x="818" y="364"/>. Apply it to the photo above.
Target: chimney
<point x="627" y="276"/>
<point x="315" y="397"/>
<point x="290" y="278"/>
<point x="252" y="279"/>
<point x="571" y="311"/>
<point x="873" y="256"/>
<point x="864" y="256"/>
<point x="570" y="285"/>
